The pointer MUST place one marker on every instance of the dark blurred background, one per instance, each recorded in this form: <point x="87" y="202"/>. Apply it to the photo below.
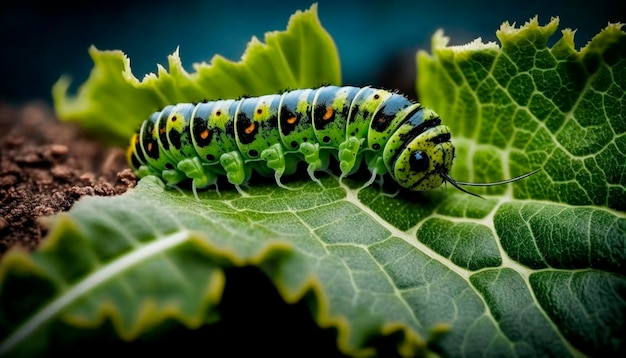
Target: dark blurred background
<point x="376" y="40"/>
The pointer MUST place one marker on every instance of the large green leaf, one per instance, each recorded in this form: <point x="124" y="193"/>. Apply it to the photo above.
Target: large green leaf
<point x="526" y="105"/>
<point x="527" y="271"/>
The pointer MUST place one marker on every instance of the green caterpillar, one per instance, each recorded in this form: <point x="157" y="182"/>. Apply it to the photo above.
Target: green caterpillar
<point x="271" y="134"/>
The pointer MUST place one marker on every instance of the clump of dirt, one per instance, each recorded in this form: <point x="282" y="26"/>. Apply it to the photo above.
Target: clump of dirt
<point x="46" y="166"/>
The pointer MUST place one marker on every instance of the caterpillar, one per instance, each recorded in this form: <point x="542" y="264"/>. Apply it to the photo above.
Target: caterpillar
<point x="271" y="134"/>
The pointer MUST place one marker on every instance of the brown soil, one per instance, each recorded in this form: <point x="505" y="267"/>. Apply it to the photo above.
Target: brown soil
<point x="45" y="167"/>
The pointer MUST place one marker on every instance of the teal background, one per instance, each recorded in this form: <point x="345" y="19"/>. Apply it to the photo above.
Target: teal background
<point x="377" y="40"/>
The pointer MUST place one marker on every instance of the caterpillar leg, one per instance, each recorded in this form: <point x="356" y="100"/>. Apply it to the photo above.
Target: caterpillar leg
<point x="391" y="195"/>
<point x="311" y="153"/>
<point x="348" y="153"/>
<point x="380" y="182"/>
<point x="371" y="179"/>
<point x="201" y="177"/>
<point x="275" y="158"/>
<point x="240" y="191"/>
<point x="172" y="177"/>
<point x="144" y="171"/>
<point x="233" y="164"/>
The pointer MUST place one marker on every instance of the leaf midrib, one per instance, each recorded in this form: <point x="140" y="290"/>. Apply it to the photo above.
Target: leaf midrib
<point x="115" y="267"/>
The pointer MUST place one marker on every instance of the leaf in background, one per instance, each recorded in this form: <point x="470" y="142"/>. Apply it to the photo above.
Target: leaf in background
<point x="525" y="105"/>
<point x="112" y="103"/>
<point x="520" y="273"/>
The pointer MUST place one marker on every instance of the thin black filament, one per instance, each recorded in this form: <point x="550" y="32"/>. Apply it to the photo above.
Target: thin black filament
<point x="457" y="184"/>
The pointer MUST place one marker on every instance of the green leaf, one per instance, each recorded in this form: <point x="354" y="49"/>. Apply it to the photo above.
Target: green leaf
<point x="526" y="271"/>
<point x="525" y="105"/>
<point x="154" y="253"/>
<point x="112" y="103"/>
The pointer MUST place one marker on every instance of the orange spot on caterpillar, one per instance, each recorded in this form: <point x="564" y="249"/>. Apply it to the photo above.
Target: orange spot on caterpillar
<point x="149" y="147"/>
<point x="291" y="120"/>
<point x="205" y="134"/>
<point x="250" y="128"/>
<point x="329" y="113"/>
<point x="162" y="130"/>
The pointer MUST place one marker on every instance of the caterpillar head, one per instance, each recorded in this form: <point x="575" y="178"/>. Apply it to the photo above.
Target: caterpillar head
<point x="421" y="161"/>
<point x="419" y="155"/>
